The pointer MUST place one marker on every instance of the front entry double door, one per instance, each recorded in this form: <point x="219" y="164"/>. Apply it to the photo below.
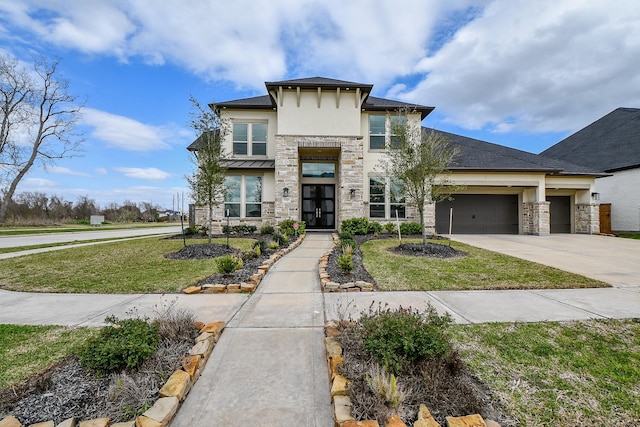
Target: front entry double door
<point x="319" y="205"/>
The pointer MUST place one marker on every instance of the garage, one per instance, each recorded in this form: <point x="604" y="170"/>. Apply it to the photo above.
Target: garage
<point x="479" y="214"/>
<point x="560" y="214"/>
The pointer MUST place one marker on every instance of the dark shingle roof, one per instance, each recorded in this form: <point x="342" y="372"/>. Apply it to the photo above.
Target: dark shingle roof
<point x="481" y="155"/>
<point x="371" y="103"/>
<point x="610" y="143"/>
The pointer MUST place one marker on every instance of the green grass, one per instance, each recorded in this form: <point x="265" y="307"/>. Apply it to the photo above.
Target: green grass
<point x="53" y="245"/>
<point x="132" y="266"/>
<point x="630" y="235"/>
<point x="26" y="350"/>
<point x="480" y="269"/>
<point x="71" y="228"/>
<point x="559" y="374"/>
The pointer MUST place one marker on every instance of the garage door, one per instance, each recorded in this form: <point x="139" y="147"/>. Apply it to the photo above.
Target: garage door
<point x="479" y="214"/>
<point x="560" y="213"/>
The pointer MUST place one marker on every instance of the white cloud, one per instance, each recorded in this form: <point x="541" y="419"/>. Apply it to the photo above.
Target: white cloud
<point x="64" y="171"/>
<point x="538" y="66"/>
<point x="101" y="171"/>
<point x="125" y="133"/>
<point x="35" y="184"/>
<point x="150" y="174"/>
<point x="502" y="65"/>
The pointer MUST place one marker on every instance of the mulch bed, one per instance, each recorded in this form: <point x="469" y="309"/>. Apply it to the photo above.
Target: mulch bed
<point x="433" y="250"/>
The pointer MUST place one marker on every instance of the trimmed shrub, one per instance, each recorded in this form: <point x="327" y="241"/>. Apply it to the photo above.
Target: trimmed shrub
<point x="266" y="229"/>
<point x="345" y="263"/>
<point x="279" y="239"/>
<point x="408" y="228"/>
<point x="391" y="228"/>
<point x="404" y="336"/>
<point x="228" y="264"/>
<point x="121" y="344"/>
<point x="286" y="227"/>
<point x="360" y="226"/>
<point x="261" y="245"/>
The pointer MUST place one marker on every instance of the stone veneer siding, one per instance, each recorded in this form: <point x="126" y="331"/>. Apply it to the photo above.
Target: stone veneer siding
<point x="351" y="175"/>
<point x="287" y="176"/>
<point x="587" y="217"/>
<point x="536" y="218"/>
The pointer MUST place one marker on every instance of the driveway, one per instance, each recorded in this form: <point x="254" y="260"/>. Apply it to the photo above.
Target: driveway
<point x="612" y="260"/>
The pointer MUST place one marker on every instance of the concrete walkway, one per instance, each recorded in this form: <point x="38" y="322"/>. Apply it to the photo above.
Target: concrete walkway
<point x="269" y="367"/>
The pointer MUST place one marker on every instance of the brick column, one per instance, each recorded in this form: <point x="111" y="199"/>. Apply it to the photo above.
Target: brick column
<point x="536" y="218"/>
<point x="286" y="177"/>
<point x="351" y="177"/>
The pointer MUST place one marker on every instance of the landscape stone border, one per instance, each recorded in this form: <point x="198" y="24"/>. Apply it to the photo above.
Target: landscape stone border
<point x="327" y="285"/>
<point x="252" y="284"/>
<point x="170" y="396"/>
<point x="342" y="403"/>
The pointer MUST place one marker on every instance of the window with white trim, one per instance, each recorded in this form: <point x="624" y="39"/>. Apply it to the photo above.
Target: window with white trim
<point x="386" y="196"/>
<point x="381" y="130"/>
<point x="250" y="139"/>
<point x="243" y="196"/>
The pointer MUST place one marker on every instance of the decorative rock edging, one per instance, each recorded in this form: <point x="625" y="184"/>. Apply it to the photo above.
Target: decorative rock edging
<point x="171" y="395"/>
<point x="342" y="403"/>
<point x="327" y="285"/>
<point x="252" y="284"/>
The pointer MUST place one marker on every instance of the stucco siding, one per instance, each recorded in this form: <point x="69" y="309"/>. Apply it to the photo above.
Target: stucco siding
<point x="622" y="190"/>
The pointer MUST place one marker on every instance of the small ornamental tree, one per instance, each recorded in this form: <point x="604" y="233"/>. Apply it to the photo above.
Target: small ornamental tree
<point x="419" y="158"/>
<point x="207" y="180"/>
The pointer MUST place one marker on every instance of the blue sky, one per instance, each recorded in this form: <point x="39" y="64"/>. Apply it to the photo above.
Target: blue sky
<point x="515" y="72"/>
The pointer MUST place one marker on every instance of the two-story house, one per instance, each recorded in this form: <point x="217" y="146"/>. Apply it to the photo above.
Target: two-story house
<point x="309" y="150"/>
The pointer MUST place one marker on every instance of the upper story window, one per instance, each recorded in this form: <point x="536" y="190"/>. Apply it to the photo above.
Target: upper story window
<point x="318" y="170"/>
<point x="250" y="139"/>
<point x="381" y="131"/>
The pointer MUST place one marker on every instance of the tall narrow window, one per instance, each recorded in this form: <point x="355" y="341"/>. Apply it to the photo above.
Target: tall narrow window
<point x="253" y="196"/>
<point x="395" y="121"/>
<point x="376" y="132"/>
<point x="397" y="199"/>
<point x="240" y="138"/>
<point x="259" y="139"/>
<point x="377" y="197"/>
<point x="232" y="196"/>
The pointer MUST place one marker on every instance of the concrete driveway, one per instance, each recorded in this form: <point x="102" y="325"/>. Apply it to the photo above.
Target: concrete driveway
<point x="610" y="259"/>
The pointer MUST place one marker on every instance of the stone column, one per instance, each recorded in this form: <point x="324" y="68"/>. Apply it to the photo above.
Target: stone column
<point x="536" y="218"/>
<point x="351" y="177"/>
<point x="587" y="217"/>
<point x="286" y="166"/>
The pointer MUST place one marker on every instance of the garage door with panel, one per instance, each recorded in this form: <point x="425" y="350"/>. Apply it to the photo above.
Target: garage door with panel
<point x="560" y="213"/>
<point x="479" y="214"/>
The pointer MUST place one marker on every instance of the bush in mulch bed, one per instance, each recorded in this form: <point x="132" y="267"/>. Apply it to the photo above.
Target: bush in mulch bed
<point x="70" y="389"/>
<point x="434" y="250"/>
<point x="399" y="359"/>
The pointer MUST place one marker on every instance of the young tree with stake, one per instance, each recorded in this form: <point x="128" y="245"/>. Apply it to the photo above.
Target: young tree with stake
<point x="419" y="158"/>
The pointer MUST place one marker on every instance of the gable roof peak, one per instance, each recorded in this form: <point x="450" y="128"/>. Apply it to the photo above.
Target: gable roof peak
<point x="315" y="82"/>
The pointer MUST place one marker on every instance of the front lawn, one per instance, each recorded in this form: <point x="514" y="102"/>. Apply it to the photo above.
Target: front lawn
<point x="559" y="374"/>
<point x="480" y="269"/>
<point x="26" y="350"/>
<point x="132" y="266"/>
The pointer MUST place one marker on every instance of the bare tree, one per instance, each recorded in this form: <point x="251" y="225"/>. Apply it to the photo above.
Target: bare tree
<point x="38" y="118"/>
<point x="207" y="180"/>
<point x="419" y="158"/>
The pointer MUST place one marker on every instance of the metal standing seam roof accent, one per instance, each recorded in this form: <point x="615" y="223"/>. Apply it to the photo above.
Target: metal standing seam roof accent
<point x="250" y="164"/>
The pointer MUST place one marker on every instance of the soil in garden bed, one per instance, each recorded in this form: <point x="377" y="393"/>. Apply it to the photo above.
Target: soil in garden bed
<point x="444" y="385"/>
<point x="434" y="250"/>
<point x="213" y="250"/>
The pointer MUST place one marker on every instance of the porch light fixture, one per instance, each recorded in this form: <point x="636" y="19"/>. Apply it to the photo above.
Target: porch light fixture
<point x="285" y="192"/>
<point x="595" y="196"/>
<point x="352" y="193"/>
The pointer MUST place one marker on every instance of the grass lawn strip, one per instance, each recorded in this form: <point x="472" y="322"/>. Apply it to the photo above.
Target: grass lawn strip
<point x="27" y="350"/>
<point x="559" y="374"/>
<point x="480" y="269"/>
<point x="17" y="231"/>
<point x="132" y="266"/>
<point x="53" y="245"/>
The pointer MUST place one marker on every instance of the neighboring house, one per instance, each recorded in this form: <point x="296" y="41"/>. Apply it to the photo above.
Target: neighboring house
<point x="309" y="151"/>
<point x="610" y="144"/>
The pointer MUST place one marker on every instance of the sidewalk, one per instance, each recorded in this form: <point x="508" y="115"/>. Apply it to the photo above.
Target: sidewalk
<point x="269" y="367"/>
